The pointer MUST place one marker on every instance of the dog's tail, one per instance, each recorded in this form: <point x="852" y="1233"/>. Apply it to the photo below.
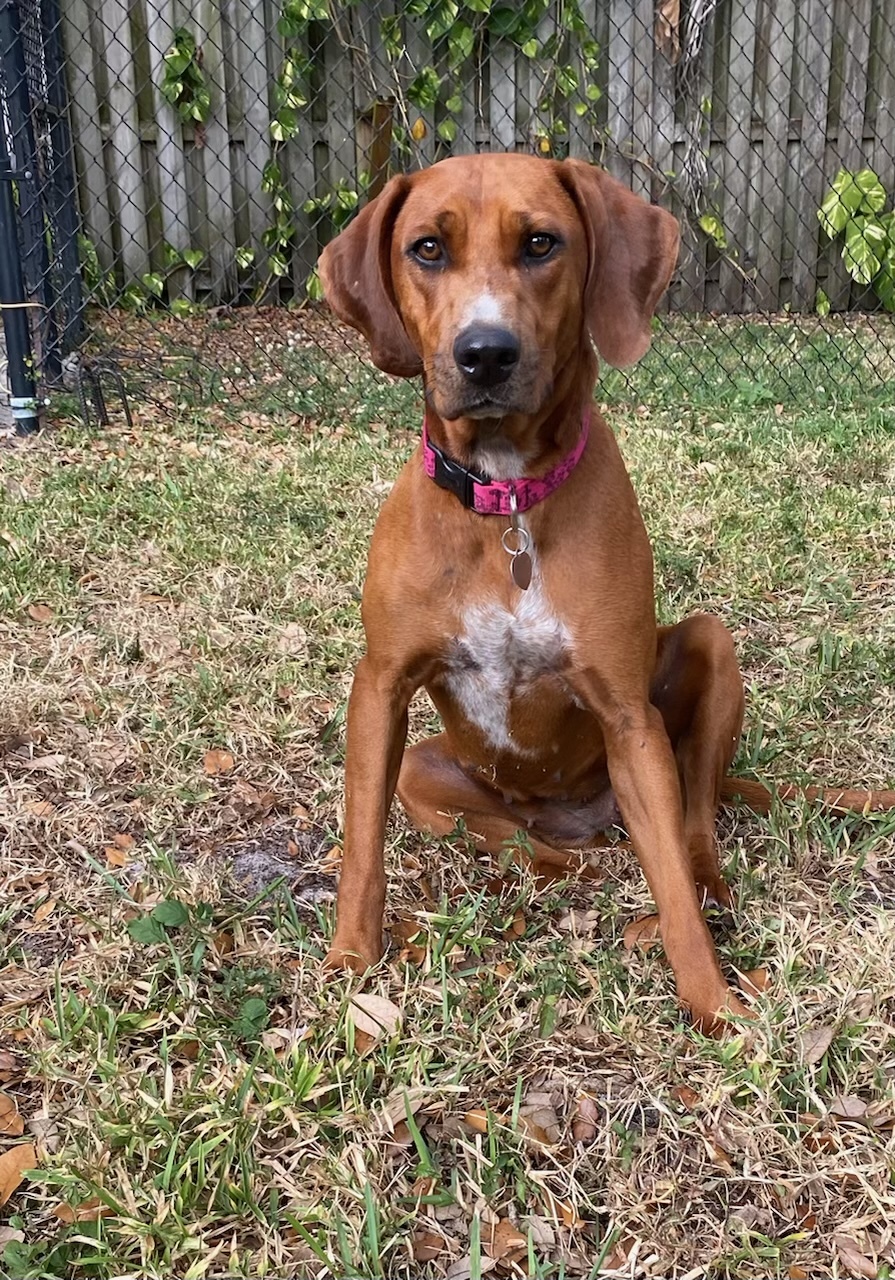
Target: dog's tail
<point x="760" y="799"/>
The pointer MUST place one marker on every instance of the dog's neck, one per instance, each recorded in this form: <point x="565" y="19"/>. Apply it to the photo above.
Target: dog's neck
<point x="520" y="444"/>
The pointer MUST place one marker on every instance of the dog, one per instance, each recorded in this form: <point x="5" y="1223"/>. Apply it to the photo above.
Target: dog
<point x="510" y="573"/>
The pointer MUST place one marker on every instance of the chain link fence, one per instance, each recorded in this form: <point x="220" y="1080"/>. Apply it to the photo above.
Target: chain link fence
<point x="178" y="168"/>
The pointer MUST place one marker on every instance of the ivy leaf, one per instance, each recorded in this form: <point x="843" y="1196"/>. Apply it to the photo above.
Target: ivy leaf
<point x="447" y="130"/>
<point x="193" y="258"/>
<point x="314" y="288"/>
<point x="460" y="43"/>
<point x="479" y="6"/>
<point x="714" y="229"/>
<point x="423" y="89"/>
<point x="821" y="303"/>
<point x="872" y="191"/>
<point x="506" y="22"/>
<point x="863" y="238"/>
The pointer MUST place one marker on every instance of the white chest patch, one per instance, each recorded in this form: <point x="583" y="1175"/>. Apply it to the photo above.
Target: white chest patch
<point x="497" y="653"/>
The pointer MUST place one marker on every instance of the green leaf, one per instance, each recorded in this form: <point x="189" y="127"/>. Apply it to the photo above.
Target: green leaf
<point x="193" y="257"/>
<point x="460" y="43"/>
<point x="171" y="913"/>
<point x="859" y="251"/>
<point x="872" y="191"/>
<point x="821" y="303"/>
<point x="182" y="307"/>
<point x="530" y="48"/>
<point x="245" y="257"/>
<point x="714" y="229"/>
<point x="423" y="89"/>
<point x="884" y="285"/>
<point x="146" y="930"/>
<point x="252" y="1018"/>
<point x="153" y="283"/>
<point x="479" y="6"/>
<point x="506" y="21"/>
<point x="314" y="288"/>
<point x="454" y="103"/>
<point x="447" y="130"/>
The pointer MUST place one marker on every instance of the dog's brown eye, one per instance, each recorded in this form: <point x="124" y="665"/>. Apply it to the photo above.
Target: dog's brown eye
<point x="539" y="246"/>
<point x="428" y="250"/>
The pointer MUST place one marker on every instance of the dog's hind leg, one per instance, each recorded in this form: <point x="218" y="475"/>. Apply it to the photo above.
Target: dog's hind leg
<point x="698" y="689"/>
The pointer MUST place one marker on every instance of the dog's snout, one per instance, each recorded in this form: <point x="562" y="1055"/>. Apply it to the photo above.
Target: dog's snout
<point x="486" y="356"/>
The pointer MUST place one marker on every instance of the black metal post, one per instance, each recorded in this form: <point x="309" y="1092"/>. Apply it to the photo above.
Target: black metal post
<point x="13" y="303"/>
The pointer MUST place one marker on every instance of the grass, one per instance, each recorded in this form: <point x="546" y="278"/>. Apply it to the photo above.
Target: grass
<point x="202" y="1100"/>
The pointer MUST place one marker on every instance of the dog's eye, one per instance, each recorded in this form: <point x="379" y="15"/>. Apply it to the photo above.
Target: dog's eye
<point x="540" y="245"/>
<point x="428" y="250"/>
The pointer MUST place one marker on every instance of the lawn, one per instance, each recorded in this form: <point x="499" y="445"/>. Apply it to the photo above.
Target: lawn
<point x="178" y="625"/>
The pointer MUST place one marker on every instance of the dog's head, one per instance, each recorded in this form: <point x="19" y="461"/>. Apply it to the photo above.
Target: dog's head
<point x="484" y="271"/>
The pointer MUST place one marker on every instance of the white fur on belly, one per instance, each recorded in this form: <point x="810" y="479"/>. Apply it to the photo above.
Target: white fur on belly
<point x="497" y="652"/>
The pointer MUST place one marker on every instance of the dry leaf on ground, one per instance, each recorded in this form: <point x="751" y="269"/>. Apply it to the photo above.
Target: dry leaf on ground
<point x="87" y="1211"/>
<point x="426" y="1245"/>
<point x="814" y="1043"/>
<point x="754" y="981"/>
<point x="505" y="1242"/>
<point x="10" y="1120"/>
<point x="13" y="1164"/>
<point x="217" y="761"/>
<point x="585" y="1118"/>
<point x="374" y="1015"/>
<point x="853" y="1259"/>
<point x="40" y="613"/>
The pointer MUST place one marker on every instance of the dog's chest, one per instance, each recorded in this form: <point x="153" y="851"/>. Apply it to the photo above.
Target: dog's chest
<point x="497" y="653"/>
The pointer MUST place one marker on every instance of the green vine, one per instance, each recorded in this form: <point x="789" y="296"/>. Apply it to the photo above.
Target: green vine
<point x="183" y="81"/>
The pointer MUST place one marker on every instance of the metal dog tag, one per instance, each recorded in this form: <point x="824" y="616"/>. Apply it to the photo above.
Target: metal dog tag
<point x="520" y="568"/>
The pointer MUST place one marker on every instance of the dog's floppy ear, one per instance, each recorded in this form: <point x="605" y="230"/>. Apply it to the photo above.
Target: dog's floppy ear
<point x="356" y="274"/>
<point x="632" y="250"/>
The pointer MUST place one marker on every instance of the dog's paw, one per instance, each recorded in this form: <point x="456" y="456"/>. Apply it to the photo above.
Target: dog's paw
<point x="721" y="1018"/>
<point x="353" y="957"/>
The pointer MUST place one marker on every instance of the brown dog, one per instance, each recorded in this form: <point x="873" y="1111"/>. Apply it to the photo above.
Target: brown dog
<point x="533" y="629"/>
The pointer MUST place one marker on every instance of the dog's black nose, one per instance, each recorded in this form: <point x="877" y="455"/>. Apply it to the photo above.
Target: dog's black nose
<point x="486" y="356"/>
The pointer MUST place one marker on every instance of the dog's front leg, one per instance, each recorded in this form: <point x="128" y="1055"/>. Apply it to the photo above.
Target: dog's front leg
<point x="644" y="778"/>
<point x="377" y="730"/>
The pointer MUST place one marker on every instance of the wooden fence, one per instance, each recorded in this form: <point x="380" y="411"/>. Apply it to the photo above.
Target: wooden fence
<point x="783" y="94"/>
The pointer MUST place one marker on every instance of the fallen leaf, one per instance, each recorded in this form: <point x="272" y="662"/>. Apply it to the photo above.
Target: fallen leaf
<point x="797" y="1273"/>
<point x="754" y="981"/>
<point x="642" y="933"/>
<point x="39" y="808"/>
<point x="123" y="841"/>
<point x="585" y="1118"/>
<point x="45" y="910"/>
<point x="505" y="1242"/>
<point x="13" y="1164"/>
<point x="462" y="1268"/>
<point x="560" y="1209"/>
<point x="814" y="1042"/>
<point x="686" y="1096"/>
<point x="217" y="761"/>
<point x="668" y="30"/>
<point x="115" y="857"/>
<point x="373" y="1015"/>
<point x="504" y="970"/>
<point x="10" y="1120"/>
<point x="853" y="1259"/>
<point x="848" y="1107"/>
<point x="516" y="928"/>
<point x="40" y="612"/>
<point x="87" y="1211"/>
<point x="426" y="1245"/>
<point x="717" y="1153"/>
<point x="8" y="1235"/>
<point x="477" y="1120"/>
<point x="10" y="1067"/>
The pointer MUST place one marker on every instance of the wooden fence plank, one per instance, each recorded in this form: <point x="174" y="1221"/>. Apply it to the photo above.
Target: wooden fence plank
<point x="581" y="128"/>
<point x="883" y="149"/>
<point x="847" y="150"/>
<point x="813" y="54"/>
<point x="221" y="241"/>
<point x="255" y="72"/>
<point x="86" y="132"/>
<point x="503" y="95"/>
<point x="642" y="52"/>
<point x="780" y="19"/>
<point x="116" y="49"/>
<point x="169" y="155"/>
<point x="736" y="294"/>
<point x="620" y="90"/>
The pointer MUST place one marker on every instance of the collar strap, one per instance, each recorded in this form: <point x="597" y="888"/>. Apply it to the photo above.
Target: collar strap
<point x="495" y="497"/>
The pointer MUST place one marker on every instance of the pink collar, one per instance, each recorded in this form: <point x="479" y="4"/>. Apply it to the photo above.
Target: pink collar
<point x="495" y="497"/>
